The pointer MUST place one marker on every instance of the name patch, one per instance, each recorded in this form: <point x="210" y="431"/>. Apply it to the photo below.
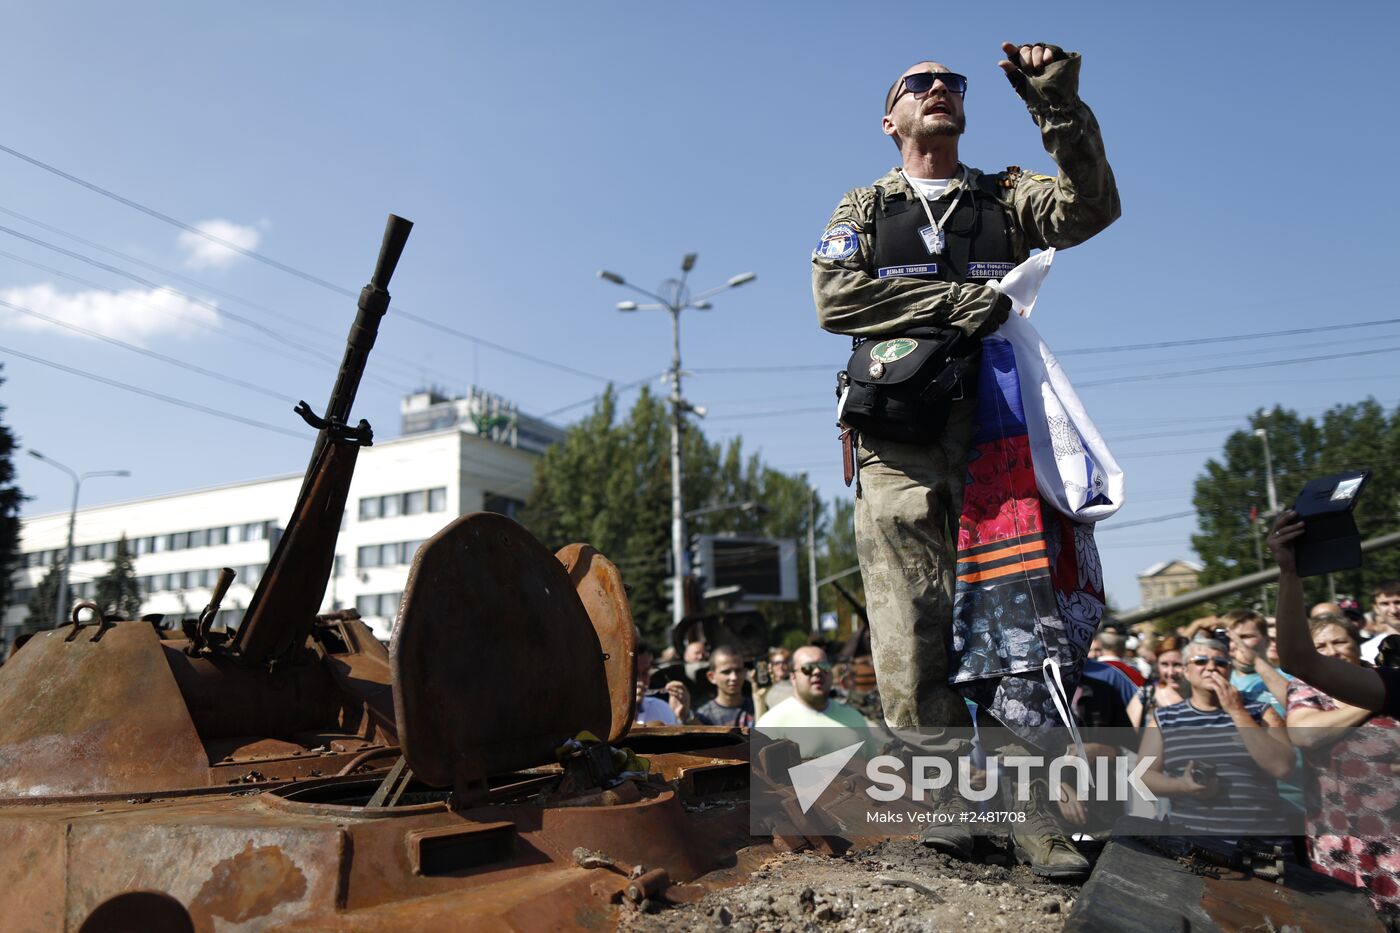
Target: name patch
<point x="989" y="270"/>
<point x="928" y="268"/>
<point x="839" y="242"/>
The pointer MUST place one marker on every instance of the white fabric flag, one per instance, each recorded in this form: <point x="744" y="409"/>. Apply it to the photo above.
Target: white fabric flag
<point x="1074" y="469"/>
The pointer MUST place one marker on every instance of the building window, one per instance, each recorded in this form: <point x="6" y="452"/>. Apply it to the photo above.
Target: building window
<point x="218" y="535"/>
<point x="368" y="556"/>
<point x="415" y="502"/>
<point x="502" y="505"/>
<point x="379" y="605"/>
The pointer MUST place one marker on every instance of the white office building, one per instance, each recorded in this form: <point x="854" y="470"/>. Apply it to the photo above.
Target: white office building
<point x="456" y="456"/>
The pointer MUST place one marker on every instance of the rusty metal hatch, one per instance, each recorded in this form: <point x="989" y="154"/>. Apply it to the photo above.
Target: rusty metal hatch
<point x="599" y="586"/>
<point x="494" y="658"/>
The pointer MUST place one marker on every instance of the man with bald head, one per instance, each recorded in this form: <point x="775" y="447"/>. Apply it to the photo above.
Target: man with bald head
<point x="914" y="256"/>
<point x="810" y="717"/>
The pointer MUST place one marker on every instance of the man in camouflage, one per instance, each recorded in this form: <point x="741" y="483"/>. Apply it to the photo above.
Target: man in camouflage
<point x="909" y="496"/>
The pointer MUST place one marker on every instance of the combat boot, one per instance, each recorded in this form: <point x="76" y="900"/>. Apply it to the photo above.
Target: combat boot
<point x="948" y="833"/>
<point x="1038" y="840"/>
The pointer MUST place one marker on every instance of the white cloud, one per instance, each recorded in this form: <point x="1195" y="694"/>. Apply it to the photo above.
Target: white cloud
<point x="135" y="315"/>
<point x="206" y="254"/>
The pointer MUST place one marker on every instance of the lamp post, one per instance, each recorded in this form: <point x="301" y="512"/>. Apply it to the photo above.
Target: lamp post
<point x="1263" y="435"/>
<point x="675" y="297"/>
<point x="61" y="596"/>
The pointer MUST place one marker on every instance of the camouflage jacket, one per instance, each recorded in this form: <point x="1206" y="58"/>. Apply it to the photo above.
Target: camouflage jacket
<point x="1060" y="212"/>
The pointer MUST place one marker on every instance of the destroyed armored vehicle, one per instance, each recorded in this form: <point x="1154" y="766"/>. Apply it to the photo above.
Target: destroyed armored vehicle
<point x="295" y="775"/>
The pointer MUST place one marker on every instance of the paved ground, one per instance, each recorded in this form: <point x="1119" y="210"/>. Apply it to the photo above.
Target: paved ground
<point x="896" y="885"/>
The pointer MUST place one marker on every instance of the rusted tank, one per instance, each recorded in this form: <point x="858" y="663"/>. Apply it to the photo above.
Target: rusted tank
<point x="296" y="775"/>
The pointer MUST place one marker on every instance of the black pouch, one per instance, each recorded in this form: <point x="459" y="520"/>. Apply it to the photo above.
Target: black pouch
<point x="902" y="388"/>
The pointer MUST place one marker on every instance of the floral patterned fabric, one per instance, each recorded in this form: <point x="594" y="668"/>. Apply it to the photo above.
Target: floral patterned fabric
<point x="1353" y="803"/>
<point x="1029" y="582"/>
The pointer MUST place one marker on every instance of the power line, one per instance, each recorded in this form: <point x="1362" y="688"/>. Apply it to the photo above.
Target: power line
<point x="620" y="389"/>
<point x="1117" y="526"/>
<point x="1196" y="358"/>
<point x="283" y="267"/>
<point x="198" y="322"/>
<point x="182" y="403"/>
<point x="189" y="228"/>
<point x="831" y="409"/>
<point x="1197" y="341"/>
<point x="1235" y="367"/>
<point x="403" y="361"/>
<point x="443" y="328"/>
<point x="1122" y="348"/>
<point x="193" y="299"/>
<point x="150" y="353"/>
<point x="1169" y="453"/>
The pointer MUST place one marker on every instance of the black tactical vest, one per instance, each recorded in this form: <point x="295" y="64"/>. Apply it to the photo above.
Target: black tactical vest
<point x="979" y="243"/>
<point x="902" y="389"/>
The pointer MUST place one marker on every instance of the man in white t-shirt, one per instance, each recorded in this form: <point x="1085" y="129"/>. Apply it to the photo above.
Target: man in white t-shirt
<point x="810" y="717"/>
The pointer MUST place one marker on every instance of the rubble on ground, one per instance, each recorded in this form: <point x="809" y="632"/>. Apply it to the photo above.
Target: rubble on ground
<point x="895" y="885"/>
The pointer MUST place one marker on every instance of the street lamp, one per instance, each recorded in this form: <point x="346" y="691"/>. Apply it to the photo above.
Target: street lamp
<point x="1263" y="435"/>
<point x="61" y="596"/>
<point x="677" y="299"/>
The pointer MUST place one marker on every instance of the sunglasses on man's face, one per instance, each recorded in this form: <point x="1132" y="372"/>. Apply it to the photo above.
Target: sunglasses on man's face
<point x="812" y="669"/>
<point x="1214" y="662"/>
<point x="921" y="83"/>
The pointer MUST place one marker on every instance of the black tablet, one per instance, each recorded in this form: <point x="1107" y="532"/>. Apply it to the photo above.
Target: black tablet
<point x="1330" y="541"/>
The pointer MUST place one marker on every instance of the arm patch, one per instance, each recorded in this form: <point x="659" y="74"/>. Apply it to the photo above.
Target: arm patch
<point x="839" y="242"/>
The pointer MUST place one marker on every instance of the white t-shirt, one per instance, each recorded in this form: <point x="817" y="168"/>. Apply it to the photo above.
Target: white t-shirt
<point x="655" y="712"/>
<point x="932" y="188"/>
<point x="816" y="733"/>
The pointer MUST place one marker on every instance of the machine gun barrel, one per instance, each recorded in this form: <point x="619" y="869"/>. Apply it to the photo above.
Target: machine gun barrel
<point x="284" y="606"/>
<point x="374" y="301"/>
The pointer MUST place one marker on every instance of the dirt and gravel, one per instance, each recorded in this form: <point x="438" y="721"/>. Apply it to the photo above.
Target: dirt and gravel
<point x="895" y="885"/>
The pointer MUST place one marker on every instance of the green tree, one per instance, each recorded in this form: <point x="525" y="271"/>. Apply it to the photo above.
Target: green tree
<point x="118" y="591"/>
<point x="10" y="500"/>
<point x="840" y="555"/>
<point x="41" y="601"/>
<point x="609" y="483"/>
<point x="1347" y="437"/>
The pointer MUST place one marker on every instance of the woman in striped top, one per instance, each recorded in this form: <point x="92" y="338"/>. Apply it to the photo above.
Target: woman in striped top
<point x="1218" y="756"/>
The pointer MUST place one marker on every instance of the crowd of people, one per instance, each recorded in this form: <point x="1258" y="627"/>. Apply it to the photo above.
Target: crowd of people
<point x="1254" y="726"/>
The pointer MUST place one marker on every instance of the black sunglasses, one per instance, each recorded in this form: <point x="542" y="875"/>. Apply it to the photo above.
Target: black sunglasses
<point x="922" y="83"/>
<point x="810" y="669"/>
<point x="1215" y="662"/>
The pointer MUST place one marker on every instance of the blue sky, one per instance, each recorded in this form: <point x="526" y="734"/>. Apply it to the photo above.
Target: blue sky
<point x="533" y="144"/>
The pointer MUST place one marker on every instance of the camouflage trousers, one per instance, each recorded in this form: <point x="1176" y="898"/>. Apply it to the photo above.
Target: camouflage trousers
<point x="907" y="510"/>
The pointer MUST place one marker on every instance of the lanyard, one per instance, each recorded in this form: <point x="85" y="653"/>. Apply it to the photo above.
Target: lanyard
<point x="937" y="242"/>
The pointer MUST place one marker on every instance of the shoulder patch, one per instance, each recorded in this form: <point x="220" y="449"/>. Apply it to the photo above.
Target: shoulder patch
<point x="839" y="242"/>
<point x="1036" y="176"/>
